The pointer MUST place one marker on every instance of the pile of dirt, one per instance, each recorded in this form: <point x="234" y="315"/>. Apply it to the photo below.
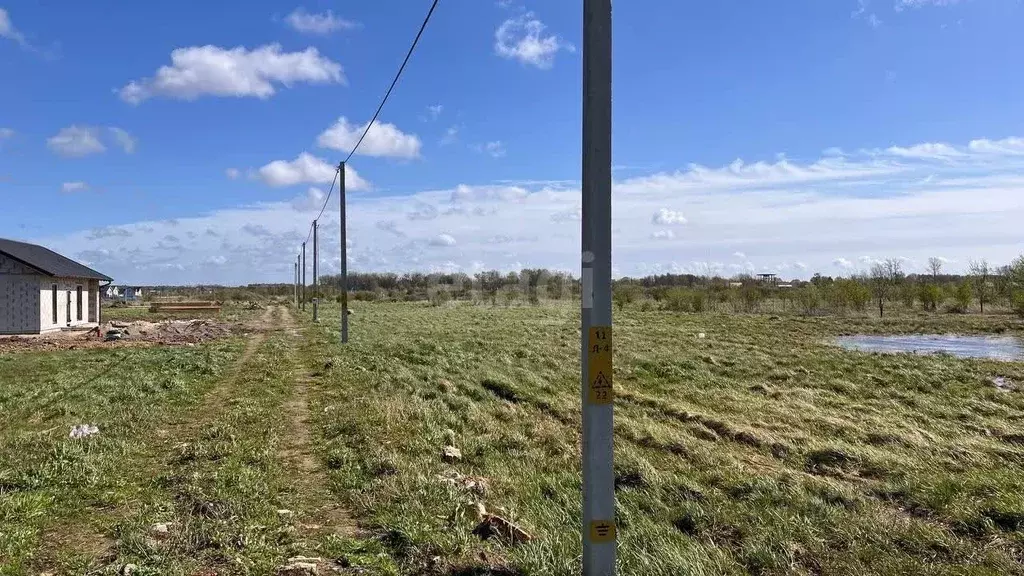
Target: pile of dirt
<point x="166" y="332"/>
<point x="120" y="334"/>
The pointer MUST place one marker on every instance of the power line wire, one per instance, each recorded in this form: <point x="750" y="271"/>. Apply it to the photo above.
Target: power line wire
<point x="384" y="100"/>
<point x="395" y="81"/>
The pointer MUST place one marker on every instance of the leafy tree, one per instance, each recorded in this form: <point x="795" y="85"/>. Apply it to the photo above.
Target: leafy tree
<point x="979" y="271"/>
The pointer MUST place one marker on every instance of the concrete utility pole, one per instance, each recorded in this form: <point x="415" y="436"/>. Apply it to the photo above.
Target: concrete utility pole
<point x="303" y="275"/>
<point x="315" y="262"/>
<point x="295" y="282"/>
<point x="599" y="530"/>
<point x="344" y="256"/>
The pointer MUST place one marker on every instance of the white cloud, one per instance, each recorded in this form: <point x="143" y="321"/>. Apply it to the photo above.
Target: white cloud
<point x="816" y="215"/>
<point x="123" y="139"/>
<point x="495" y="149"/>
<point x="76" y="141"/>
<point x="1005" y="147"/>
<point x="523" y="38"/>
<point x="450" y="135"/>
<point x="232" y="173"/>
<point x="236" y="72"/>
<point x="442" y="240"/>
<point x="926" y="151"/>
<point x="663" y="235"/>
<point x="740" y="255"/>
<point x="666" y="217"/>
<point x="382" y="140"/>
<point x="308" y="169"/>
<point x="6" y="133"/>
<point x="8" y="31"/>
<point x="68" y="187"/>
<point x="435" y="111"/>
<point x="319" y="23"/>
<point x="901" y="4"/>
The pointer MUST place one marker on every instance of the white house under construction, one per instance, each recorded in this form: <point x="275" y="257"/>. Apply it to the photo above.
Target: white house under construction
<point x="41" y="290"/>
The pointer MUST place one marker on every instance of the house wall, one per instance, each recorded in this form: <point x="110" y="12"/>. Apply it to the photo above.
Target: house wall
<point x="64" y="285"/>
<point x="19" y="298"/>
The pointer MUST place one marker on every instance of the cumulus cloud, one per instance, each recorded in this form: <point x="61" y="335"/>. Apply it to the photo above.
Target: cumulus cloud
<point x="523" y="38"/>
<point x="382" y="139"/>
<point x="76" y="141"/>
<point x="232" y="173"/>
<point x="318" y="23"/>
<point x="663" y="235"/>
<point x="69" y="187"/>
<point x="308" y="169"/>
<point x="797" y="217"/>
<point x="435" y="111"/>
<point x="236" y="72"/>
<point x="740" y="255"/>
<point x="666" y="217"/>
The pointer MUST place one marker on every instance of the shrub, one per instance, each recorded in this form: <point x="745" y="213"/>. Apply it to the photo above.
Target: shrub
<point x="809" y="298"/>
<point x="1018" y="303"/>
<point x="962" y="296"/>
<point x="440" y="297"/>
<point x="930" y="296"/>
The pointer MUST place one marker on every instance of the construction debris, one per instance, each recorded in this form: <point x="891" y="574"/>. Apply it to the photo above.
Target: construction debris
<point x="83" y="431"/>
<point x="451" y="454"/>
<point x="494" y="526"/>
<point x="474" y="484"/>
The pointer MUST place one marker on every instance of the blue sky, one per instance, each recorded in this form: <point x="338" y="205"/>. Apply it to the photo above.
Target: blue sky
<point x="183" y="143"/>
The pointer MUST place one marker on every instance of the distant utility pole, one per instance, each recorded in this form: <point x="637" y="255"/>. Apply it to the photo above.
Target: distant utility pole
<point x="599" y="530"/>
<point x="295" y="282"/>
<point x="344" y="256"/>
<point x="316" y="260"/>
<point x="303" y="275"/>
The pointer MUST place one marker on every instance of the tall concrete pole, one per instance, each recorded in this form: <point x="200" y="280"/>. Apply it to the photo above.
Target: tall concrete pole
<point x="599" y="530"/>
<point x="316" y="260"/>
<point x="344" y="256"/>
<point x="303" y="276"/>
<point x="295" y="282"/>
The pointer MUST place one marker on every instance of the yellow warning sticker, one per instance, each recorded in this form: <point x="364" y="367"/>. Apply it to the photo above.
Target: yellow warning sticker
<point x="602" y="531"/>
<point x="599" y="365"/>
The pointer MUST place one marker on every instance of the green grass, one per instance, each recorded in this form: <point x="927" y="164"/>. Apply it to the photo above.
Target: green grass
<point x="759" y="449"/>
<point x="55" y="492"/>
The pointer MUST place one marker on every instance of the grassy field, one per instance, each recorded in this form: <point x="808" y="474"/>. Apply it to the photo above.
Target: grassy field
<point x="758" y="449"/>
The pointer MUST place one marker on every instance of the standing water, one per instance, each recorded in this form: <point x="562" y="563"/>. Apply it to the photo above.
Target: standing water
<point x="990" y="347"/>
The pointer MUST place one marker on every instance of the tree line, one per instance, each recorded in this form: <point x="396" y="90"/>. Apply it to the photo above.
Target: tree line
<point x="885" y="287"/>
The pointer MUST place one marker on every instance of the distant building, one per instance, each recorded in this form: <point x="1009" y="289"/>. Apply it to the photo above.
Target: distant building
<point x="41" y="290"/>
<point x="123" y="293"/>
<point x="768" y="278"/>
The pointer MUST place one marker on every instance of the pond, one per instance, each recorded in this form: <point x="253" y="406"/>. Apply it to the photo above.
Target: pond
<point x="990" y="347"/>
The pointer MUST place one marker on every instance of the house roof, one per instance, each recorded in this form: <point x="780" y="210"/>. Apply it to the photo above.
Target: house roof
<point x="47" y="261"/>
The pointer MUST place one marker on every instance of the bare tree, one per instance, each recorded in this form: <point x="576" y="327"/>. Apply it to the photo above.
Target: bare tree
<point x="980" y="271"/>
<point x="935" y="267"/>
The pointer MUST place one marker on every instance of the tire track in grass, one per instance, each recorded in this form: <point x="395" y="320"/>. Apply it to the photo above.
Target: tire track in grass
<point x="86" y="537"/>
<point x="322" y="515"/>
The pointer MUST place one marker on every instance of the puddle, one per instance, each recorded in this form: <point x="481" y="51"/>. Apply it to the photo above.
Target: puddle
<point x="990" y="347"/>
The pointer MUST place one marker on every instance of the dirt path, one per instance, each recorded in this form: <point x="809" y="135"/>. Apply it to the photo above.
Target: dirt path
<point x="321" y="513"/>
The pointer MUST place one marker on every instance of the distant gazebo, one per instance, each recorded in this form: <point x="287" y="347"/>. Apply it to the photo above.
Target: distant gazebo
<point x="768" y="279"/>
